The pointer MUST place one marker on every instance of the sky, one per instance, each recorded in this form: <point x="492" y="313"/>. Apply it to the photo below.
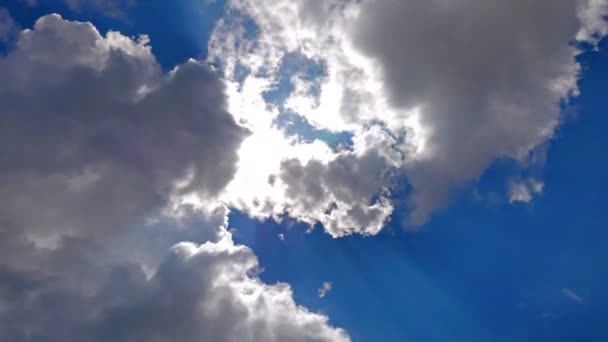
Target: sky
<point x="310" y="170"/>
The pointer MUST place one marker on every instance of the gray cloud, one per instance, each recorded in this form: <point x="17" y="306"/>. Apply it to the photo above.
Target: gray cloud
<point x="471" y="81"/>
<point x="346" y="195"/>
<point x="94" y="136"/>
<point x="96" y="142"/>
<point x="205" y="292"/>
<point x="488" y="75"/>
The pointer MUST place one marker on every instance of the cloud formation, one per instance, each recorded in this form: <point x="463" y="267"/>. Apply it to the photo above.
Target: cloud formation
<point x="343" y="189"/>
<point x="94" y="135"/>
<point x="101" y="153"/>
<point x="207" y="292"/>
<point x="455" y="85"/>
<point x="489" y="78"/>
<point x="339" y="194"/>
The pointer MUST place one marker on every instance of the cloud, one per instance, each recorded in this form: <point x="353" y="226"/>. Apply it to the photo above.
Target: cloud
<point x="200" y="292"/>
<point x="489" y="79"/>
<point x="523" y="191"/>
<point x="457" y="86"/>
<point x="345" y="195"/>
<point x="8" y="26"/>
<point x="107" y="165"/>
<point x="344" y="189"/>
<point x="95" y="136"/>
<point x="325" y="288"/>
<point x="571" y="295"/>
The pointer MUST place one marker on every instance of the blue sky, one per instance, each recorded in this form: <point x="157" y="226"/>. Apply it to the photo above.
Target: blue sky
<point x="481" y="268"/>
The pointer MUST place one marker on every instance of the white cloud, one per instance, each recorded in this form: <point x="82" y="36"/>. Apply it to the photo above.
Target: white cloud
<point x="571" y="295"/>
<point x="106" y="163"/>
<point x="523" y="191"/>
<point x="593" y="17"/>
<point x="462" y="85"/>
<point x="200" y="292"/>
<point x="342" y="208"/>
<point x="339" y="194"/>
<point x="325" y="288"/>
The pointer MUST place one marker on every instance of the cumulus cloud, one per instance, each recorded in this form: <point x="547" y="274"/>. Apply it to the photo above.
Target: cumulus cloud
<point x="346" y="190"/>
<point x="206" y="292"/>
<point x="340" y="194"/>
<point x="94" y="135"/>
<point x="488" y="76"/>
<point x="106" y="162"/>
<point x="458" y="85"/>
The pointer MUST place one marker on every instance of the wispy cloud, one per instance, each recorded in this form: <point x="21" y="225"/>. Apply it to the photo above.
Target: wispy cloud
<point x="568" y="293"/>
<point x="524" y="191"/>
<point x="325" y="288"/>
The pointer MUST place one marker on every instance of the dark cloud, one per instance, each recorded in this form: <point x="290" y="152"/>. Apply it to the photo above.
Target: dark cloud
<point x="488" y="76"/>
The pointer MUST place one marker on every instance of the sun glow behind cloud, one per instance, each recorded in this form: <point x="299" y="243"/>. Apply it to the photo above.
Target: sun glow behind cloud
<point x="339" y="86"/>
